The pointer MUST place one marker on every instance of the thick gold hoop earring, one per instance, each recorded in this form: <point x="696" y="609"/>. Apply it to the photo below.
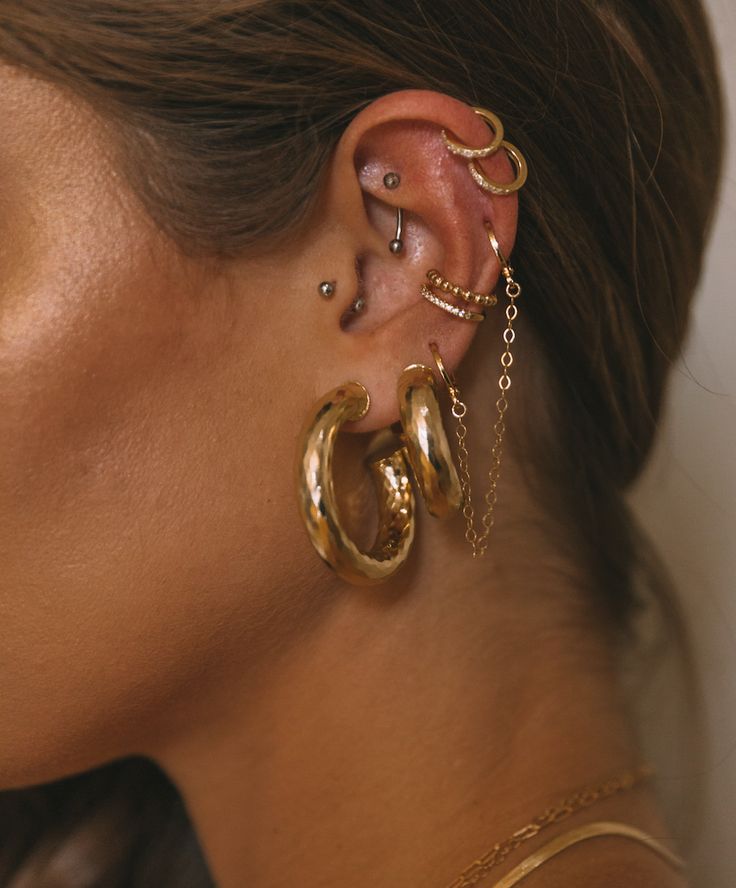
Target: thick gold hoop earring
<point x="318" y="505"/>
<point x="426" y="442"/>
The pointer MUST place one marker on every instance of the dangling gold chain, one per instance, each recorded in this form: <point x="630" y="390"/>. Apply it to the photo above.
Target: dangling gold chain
<point x="479" y="540"/>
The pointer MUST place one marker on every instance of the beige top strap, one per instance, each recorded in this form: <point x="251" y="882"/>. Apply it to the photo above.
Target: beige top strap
<point x="589" y="831"/>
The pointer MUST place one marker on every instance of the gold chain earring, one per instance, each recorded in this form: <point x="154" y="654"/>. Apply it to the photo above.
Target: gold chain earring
<point x="426" y="443"/>
<point x="478" y="538"/>
<point x="318" y="505"/>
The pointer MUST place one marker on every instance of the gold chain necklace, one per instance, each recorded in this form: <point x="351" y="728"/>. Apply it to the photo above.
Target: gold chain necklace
<point x="578" y="801"/>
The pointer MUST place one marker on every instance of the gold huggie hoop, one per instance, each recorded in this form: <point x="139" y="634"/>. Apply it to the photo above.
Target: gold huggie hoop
<point x="426" y="443"/>
<point x="494" y="124"/>
<point x="497" y="187"/>
<point x="506" y="270"/>
<point x="464" y="313"/>
<point x="318" y="505"/>
<point x="441" y="283"/>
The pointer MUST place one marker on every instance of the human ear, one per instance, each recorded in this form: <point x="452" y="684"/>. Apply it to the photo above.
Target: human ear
<point x="444" y="214"/>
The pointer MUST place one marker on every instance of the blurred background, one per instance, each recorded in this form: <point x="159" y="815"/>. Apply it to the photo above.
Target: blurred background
<point x="687" y="501"/>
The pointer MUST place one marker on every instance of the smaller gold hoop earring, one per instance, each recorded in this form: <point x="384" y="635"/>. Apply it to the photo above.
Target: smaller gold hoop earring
<point x="496" y="127"/>
<point x="497" y="187"/>
<point x="318" y="505"/>
<point x="506" y="270"/>
<point x="426" y="443"/>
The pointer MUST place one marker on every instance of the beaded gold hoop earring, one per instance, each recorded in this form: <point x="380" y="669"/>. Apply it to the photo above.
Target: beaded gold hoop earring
<point x="318" y="505"/>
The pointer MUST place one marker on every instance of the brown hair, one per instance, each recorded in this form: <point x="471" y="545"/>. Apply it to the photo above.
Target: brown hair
<point x="616" y="105"/>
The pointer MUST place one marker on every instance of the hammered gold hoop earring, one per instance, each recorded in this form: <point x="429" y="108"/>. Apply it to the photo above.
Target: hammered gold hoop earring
<point x="318" y="505"/>
<point x="426" y="442"/>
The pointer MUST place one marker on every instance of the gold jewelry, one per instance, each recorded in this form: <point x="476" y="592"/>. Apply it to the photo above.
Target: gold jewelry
<point x="472" y="154"/>
<point x="318" y="506"/>
<point x="455" y="310"/>
<point x="579" y="801"/>
<point x="581" y="834"/>
<point x="397" y="244"/>
<point x="441" y="283"/>
<point x="496" y="127"/>
<point x="478" y="539"/>
<point x="426" y="442"/>
<point x="522" y="172"/>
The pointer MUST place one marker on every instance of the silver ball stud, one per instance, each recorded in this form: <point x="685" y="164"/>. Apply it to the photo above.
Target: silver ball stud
<point x="327" y="289"/>
<point x="396" y="245"/>
<point x="392" y="180"/>
<point x="358" y="305"/>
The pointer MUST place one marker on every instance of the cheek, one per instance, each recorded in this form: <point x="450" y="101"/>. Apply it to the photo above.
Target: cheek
<point x="127" y="498"/>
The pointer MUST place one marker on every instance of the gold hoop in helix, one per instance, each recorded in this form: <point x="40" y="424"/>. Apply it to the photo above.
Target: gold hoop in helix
<point x="426" y="442"/>
<point x="496" y="127"/>
<point x="498" y="142"/>
<point x="318" y="505"/>
<point x="497" y="187"/>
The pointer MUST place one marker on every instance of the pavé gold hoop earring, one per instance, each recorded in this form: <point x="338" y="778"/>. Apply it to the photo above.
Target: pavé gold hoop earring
<point x="498" y="143"/>
<point x="478" y="538"/>
<point x="500" y="188"/>
<point x="318" y="505"/>
<point x="426" y="443"/>
<point x="496" y="127"/>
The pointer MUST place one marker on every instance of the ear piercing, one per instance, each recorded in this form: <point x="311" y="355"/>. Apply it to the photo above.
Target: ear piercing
<point x="327" y="289"/>
<point x="498" y="142"/>
<point x="462" y="313"/>
<point x="441" y="283"/>
<point x="392" y="180"/>
<point x="397" y="244"/>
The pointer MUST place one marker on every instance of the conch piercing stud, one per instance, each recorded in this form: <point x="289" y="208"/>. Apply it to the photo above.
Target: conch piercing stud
<point x="327" y="289"/>
<point x="392" y="180"/>
<point x="397" y="244"/>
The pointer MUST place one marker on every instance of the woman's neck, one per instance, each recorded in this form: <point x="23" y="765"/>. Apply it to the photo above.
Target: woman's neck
<point x="409" y="730"/>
